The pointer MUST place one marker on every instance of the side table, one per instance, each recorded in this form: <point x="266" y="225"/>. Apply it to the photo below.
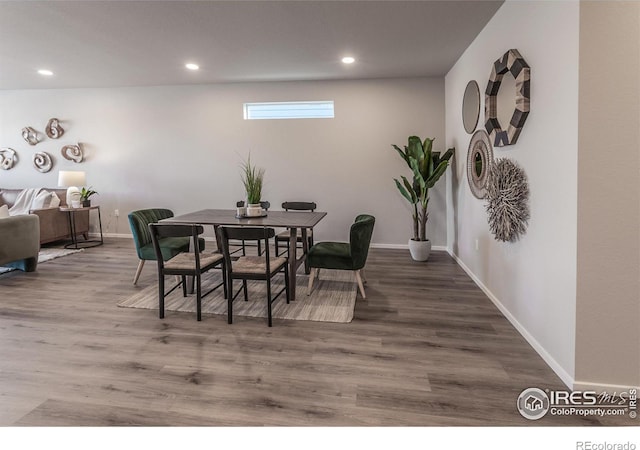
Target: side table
<point x="72" y="225"/>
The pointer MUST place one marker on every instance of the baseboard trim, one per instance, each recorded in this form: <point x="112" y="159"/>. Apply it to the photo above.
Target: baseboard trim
<point x="436" y="248"/>
<point x="112" y="235"/>
<point x="551" y="362"/>
<point x="599" y="387"/>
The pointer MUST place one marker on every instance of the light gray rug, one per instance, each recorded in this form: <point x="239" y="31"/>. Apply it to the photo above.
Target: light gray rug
<point x="47" y="254"/>
<point x="333" y="298"/>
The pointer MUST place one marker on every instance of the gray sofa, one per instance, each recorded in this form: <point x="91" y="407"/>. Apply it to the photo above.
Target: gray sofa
<point x="54" y="224"/>
<point x="20" y="242"/>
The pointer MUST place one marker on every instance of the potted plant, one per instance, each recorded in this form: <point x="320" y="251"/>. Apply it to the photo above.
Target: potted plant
<point x="427" y="167"/>
<point x="85" y="195"/>
<point x="252" y="179"/>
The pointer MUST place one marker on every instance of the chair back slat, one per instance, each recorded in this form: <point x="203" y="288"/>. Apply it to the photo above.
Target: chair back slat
<point x="299" y="206"/>
<point x="224" y="234"/>
<point x="178" y="230"/>
<point x="159" y="231"/>
<point x="360" y="239"/>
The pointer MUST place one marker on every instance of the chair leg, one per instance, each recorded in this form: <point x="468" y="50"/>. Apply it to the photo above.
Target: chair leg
<point x="244" y="287"/>
<point x="183" y="279"/>
<point x="269" y="302"/>
<point x="286" y="283"/>
<point x="161" y="295"/>
<point x="198" y="297"/>
<point x="312" y="275"/>
<point x="359" y="280"/>
<point x="229" y="300"/>
<point x="138" y="271"/>
<point x="224" y="281"/>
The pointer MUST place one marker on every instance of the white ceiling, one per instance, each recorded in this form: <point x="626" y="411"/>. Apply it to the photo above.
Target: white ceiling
<point x="146" y="43"/>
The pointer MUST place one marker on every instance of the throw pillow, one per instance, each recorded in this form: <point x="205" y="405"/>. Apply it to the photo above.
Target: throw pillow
<point x="42" y="200"/>
<point x="4" y="211"/>
<point x="55" y="200"/>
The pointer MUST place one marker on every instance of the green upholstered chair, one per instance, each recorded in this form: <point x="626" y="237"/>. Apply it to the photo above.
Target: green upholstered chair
<point x="169" y="246"/>
<point x="350" y="255"/>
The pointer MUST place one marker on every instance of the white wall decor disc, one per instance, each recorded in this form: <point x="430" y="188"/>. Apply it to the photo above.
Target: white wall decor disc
<point x="42" y="162"/>
<point x="30" y="135"/>
<point x="72" y="153"/>
<point x="8" y="158"/>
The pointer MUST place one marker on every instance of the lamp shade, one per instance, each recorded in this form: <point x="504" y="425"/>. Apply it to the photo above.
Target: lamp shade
<point x="68" y="178"/>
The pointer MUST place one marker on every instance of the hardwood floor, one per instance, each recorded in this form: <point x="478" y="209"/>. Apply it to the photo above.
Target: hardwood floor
<point x="425" y="348"/>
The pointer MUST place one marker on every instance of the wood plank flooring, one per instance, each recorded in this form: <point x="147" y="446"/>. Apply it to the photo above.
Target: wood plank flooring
<point x="426" y="348"/>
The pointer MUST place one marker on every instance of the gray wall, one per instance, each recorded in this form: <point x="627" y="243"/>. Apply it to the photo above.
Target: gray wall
<point x="532" y="280"/>
<point x="180" y="147"/>
<point x="608" y="279"/>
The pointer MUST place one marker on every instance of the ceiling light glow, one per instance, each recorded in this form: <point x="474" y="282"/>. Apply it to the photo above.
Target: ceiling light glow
<point x="192" y="66"/>
<point x="45" y="72"/>
<point x="348" y="60"/>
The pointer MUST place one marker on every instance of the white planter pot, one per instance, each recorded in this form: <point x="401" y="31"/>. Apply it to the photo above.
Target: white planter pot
<point x="254" y="210"/>
<point x="419" y="249"/>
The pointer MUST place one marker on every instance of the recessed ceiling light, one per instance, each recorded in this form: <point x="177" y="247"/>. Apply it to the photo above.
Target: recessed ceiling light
<point x="192" y="66"/>
<point x="45" y="72"/>
<point x="348" y="60"/>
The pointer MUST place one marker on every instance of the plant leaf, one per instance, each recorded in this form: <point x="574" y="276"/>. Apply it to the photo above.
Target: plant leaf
<point x="403" y="191"/>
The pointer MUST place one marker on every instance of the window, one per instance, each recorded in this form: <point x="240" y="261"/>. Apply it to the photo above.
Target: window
<point x="288" y="110"/>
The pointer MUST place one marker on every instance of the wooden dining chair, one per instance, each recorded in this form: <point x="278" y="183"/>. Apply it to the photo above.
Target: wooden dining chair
<point x="283" y="236"/>
<point x="264" y="205"/>
<point x="263" y="267"/>
<point x="139" y="222"/>
<point x="184" y="264"/>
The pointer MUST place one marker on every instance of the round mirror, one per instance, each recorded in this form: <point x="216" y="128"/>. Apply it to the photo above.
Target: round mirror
<point x="471" y="106"/>
<point x="478" y="161"/>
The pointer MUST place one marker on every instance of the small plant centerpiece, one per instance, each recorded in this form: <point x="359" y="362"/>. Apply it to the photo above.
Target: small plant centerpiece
<point x="427" y="167"/>
<point x="85" y="196"/>
<point x="252" y="178"/>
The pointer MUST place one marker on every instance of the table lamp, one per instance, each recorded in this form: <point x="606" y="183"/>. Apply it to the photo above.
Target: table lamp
<point x="71" y="180"/>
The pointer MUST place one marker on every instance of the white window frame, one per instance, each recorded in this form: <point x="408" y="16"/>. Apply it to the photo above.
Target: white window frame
<point x="289" y="110"/>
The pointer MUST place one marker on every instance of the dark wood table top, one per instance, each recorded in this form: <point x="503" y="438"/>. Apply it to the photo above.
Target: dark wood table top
<point x="282" y="219"/>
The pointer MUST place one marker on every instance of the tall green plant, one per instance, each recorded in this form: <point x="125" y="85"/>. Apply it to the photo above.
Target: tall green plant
<point x="252" y="179"/>
<point x="427" y="167"/>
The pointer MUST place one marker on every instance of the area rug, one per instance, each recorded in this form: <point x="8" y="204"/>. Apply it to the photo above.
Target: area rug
<point x="47" y="254"/>
<point x="333" y="298"/>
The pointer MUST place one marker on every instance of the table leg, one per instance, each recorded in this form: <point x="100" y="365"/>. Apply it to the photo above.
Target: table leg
<point x="100" y="223"/>
<point x="72" y="227"/>
<point x="305" y="250"/>
<point x="293" y="262"/>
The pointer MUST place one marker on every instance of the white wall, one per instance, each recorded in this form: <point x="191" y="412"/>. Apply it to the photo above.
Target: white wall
<point x="180" y="147"/>
<point x="608" y="294"/>
<point x="533" y="280"/>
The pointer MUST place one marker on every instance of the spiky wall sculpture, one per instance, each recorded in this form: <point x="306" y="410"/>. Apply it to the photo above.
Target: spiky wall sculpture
<point x="507" y="200"/>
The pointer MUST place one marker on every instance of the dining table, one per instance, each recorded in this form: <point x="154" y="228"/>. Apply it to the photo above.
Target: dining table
<point x="295" y="221"/>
